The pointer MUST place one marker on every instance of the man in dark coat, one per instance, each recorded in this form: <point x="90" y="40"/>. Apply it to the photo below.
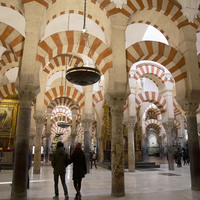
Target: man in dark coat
<point x="59" y="163"/>
<point x="79" y="168"/>
<point x="29" y="166"/>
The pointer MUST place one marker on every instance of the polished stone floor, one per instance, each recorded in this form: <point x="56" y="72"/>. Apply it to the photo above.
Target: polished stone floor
<point x="152" y="184"/>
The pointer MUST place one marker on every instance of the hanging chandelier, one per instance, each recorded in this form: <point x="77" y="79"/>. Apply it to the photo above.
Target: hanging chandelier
<point x="63" y="124"/>
<point x="84" y="75"/>
<point x="59" y="134"/>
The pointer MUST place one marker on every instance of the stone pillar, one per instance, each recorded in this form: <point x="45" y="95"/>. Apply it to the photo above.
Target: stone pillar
<point x="47" y="134"/>
<point x="47" y="149"/>
<point x="130" y="124"/>
<point x="87" y="125"/>
<point x="168" y="126"/>
<point x="73" y="128"/>
<point x="190" y="106"/>
<point x="145" y="150"/>
<point x="117" y="150"/>
<point x="38" y="140"/>
<point x="161" y="147"/>
<point x="19" y="181"/>
<point x="100" y="150"/>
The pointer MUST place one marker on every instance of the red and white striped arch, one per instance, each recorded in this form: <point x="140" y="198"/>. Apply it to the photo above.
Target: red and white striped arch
<point x="97" y="97"/>
<point x="61" y="110"/>
<point x="153" y="123"/>
<point x="56" y="92"/>
<point x="63" y="101"/>
<point x="8" y="62"/>
<point x="158" y="52"/>
<point x="80" y="130"/>
<point x="44" y="3"/>
<point x="152" y="97"/>
<point x="61" y="118"/>
<point x="11" y="39"/>
<point x="14" y="4"/>
<point x="154" y="108"/>
<point x="177" y="124"/>
<point x="176" y="110"/>
<point x="6" y="90"/>
<point x="169" y="9"/>
<point x="66" y="42"/>
<point x="75" y="9"/>
<point x="146" y="68"/>
<point x="62" y="60"/>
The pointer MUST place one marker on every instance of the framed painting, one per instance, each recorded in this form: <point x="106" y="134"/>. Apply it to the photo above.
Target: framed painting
<point x="6" y="115"/>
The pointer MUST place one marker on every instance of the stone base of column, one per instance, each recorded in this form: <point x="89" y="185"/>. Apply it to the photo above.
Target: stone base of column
<point x="18" y="196"/>
<point x="36" y="171"/>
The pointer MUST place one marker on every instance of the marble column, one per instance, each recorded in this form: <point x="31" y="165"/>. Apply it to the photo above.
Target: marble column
<point x="190" y="107"/>
<point x="100" y="141"/>
<point x="73" y="128"/>
<point x="87" y="125"/>
<point x="130" y="124"/>
<point x="47" y="148"/>
<point x="38" y="140"/>
<point x="31" y="139"/>
<point x="19" y="180"/>
<point x="161" y="147"/>
<point x="145" y="146"/>
<point x="168" y="126"/>
<point x="117" y="149"/>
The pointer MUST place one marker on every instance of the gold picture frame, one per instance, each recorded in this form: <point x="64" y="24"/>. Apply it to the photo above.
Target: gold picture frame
<point x="6" y="117"/>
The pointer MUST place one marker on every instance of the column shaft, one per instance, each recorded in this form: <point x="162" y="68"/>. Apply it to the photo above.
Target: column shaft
<point x="86" y="125"/>
<point x="19" y="182"/>
<point x="170" y="152"/>
<point x="168" y="128"/>
<point x="47" y="150"/>
<point x="131" y="146"/>
<point x="194" y="152"/>
<point x="38" y="141"/>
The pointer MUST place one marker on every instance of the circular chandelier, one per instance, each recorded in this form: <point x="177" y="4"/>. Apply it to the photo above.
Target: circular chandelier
<point x="63" y="124"/>
<point x="59" y="134"/>
<point x="84" y="75"/>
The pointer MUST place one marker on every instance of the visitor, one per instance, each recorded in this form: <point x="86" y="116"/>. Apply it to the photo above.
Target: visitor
<point x="93" y="158"/>
<point x="1" y="156"/>
<point x="79" y="168"/>
<point x="59" y="163"/>
<point x="29" y="166"/>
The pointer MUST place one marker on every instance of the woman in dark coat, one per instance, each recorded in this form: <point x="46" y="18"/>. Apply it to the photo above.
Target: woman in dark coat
<point x="79" y="168"/>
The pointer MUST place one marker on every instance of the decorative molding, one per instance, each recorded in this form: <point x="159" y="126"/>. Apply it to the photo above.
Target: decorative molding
<point x="119" y="3"/>
<point x="87" y="124"/>
<point x="190" y="9"/>
<point x="168" y="126"/>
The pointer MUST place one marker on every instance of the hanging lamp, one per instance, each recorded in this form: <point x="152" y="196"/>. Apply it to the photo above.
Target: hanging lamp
<point x="84" y="75"/>
<point x="59" y="134"/>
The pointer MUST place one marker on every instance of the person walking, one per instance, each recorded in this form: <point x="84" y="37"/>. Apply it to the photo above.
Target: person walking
<point x="59" y="163"/>
<point x="1" y="156"/>
<point x="93" y="159"/>
<point x="79" y="168"/>
<point x="29" y="167"/>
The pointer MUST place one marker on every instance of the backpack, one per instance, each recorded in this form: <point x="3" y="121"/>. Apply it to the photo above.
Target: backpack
<point x="94" y="156"/>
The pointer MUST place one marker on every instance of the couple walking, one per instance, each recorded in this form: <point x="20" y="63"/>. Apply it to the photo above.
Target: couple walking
<point x="59" y="163"/>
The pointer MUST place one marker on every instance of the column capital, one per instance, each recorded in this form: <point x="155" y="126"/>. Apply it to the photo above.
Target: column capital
<point x="47" y="134"/>
<point x="130" y="123"/>
<point x="191" y="104"/>
<point x="26" y="97"/>
<point x="86" y="124"/>
<point x="116" y="102"/>
<point x="39" y="120"/>
<point x="168" y="125"/>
